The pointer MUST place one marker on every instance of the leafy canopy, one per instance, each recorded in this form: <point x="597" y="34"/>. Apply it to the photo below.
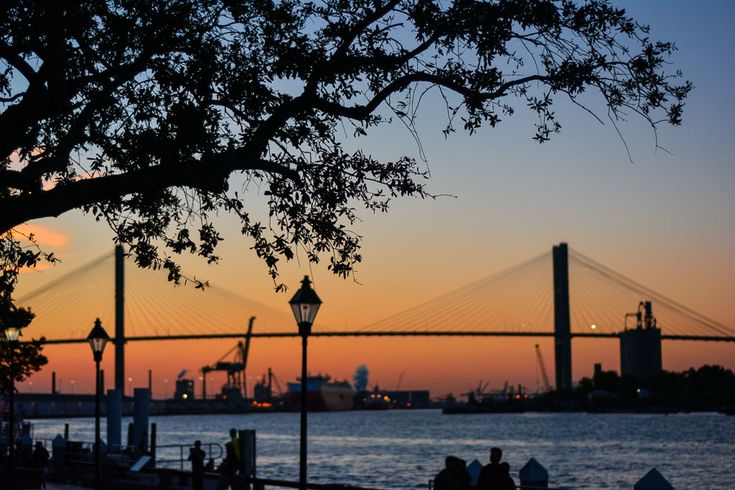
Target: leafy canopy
<point x="18" y="360"/>
<point x="139" y="111"/>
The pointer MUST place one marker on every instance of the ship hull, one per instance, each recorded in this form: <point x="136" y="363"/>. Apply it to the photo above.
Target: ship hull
<point x="323" y="398"/>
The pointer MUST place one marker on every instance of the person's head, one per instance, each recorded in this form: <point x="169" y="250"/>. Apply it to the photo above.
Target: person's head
<point x="197" y="444"/>
<point x="39" y="445"/>
<point x="450" y="462"/>
<point x="233" y="432"/>
<point x="495" y="454"/>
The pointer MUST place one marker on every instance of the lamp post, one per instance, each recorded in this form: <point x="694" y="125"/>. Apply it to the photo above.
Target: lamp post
<point x="12" y="334"/>
<point x="305" y="305"/>
<point x="97" y="339"/>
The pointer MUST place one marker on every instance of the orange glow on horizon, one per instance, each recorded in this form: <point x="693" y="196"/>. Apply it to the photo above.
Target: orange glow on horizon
<point x="442" y="365"/>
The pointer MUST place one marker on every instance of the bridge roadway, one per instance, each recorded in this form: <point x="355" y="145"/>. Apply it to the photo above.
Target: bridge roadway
<point x="393" y="333"/>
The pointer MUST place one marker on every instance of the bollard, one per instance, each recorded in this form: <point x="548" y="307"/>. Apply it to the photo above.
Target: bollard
<point x="474" y="469"/>
<point x="114" y="418"/>
<point x="653" y="481"/>
<point x="140" y="419"/>
<point x="533" y="475"/>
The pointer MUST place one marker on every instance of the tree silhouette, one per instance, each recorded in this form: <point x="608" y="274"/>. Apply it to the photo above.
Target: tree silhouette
<point x="140" y="112"/>
<point x="18" y="360"/>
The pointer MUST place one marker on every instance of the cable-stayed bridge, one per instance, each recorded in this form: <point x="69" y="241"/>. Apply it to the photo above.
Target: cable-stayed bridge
<point x="564" y="294"/>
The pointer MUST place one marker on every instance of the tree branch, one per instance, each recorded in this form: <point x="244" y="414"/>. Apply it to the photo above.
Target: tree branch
<point x="210" y="176"/>
<point x="360" y="112"/>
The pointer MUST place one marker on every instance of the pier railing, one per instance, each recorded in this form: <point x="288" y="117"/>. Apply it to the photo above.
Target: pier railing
<point x="164" y="454"/>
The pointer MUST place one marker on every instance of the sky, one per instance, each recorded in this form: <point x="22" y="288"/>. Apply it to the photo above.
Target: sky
<point x="666" y="219"/>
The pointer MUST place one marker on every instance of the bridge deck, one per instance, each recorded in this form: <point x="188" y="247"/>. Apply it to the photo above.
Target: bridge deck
<point x="395" y="333"/>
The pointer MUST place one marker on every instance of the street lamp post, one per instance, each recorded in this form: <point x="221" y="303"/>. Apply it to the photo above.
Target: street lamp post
<point x="305" y="305"/>
<point x="12" y="334"/>
<point x="97" y="339"/>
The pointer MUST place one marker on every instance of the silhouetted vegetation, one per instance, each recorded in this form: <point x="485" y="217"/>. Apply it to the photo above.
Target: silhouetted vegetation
<point x="138" y="112"/>
<point x="18" y="360"/>
<point x="704" y="388"/>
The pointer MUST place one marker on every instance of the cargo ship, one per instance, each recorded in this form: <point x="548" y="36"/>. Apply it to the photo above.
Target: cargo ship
<point x="322" y="394"/>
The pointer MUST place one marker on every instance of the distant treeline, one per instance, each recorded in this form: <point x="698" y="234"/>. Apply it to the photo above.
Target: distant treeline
<point x="710" y="387"/>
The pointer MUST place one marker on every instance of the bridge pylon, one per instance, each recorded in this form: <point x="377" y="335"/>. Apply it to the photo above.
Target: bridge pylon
<point x="562" y="318"/>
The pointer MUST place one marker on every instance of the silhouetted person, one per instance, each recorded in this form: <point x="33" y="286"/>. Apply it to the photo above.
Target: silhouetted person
<point x="447" y="478"/>
<point x="464" y="477"/>
<point x="196" y="456"/>
<point x="228" y="468"/>
<point x="39" y="459"/>
<point x="236" y="446"/>
<point x="495" y="476"/>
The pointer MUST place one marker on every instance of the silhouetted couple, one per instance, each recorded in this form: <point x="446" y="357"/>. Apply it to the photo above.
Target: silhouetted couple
<point x="454" y="476"/>
<point x="496" y="475"/>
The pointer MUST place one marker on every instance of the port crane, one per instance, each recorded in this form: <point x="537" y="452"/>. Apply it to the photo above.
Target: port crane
<point x="236" y="386"/>
<point x="263" y="391"/>
<point x="478" y="393"/>
<point x="542" y="367"/>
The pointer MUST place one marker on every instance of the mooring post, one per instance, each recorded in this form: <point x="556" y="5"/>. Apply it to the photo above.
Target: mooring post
<point x="533" y="475"/>
<point x="114" y="418"/>
<point x="653" y="480"/>
<point x="474" y="469"/>
<point x="562" y="322"/>
<point x="140" y="418"/>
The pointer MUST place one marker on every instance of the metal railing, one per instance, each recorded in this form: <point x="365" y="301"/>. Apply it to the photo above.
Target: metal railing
<point x="213" y="450"/>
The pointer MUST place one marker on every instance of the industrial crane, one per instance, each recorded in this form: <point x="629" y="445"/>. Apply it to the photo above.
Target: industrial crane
<point x="478" y="393"/>
<point x="542" y="366"/>
<point x="263" y="390"/>
<point x="236" y="386"/>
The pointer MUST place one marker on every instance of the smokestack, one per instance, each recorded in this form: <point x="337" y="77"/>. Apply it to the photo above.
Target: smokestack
<point x="649" y="314"/>
<point x="53" y="382"/>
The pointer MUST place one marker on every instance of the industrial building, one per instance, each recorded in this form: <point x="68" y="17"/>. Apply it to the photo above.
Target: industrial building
<point x="640" y="347"/>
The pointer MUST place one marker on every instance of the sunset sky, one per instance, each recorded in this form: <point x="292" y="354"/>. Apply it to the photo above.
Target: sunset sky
<point x="666" y="219"/>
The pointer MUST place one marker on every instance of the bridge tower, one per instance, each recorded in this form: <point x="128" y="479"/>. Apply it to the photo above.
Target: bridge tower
<point x="120" y="319"/>
<point x="562" y="322"/>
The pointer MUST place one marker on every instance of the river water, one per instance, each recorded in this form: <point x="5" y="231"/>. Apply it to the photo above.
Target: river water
<point x="404" y="449"/>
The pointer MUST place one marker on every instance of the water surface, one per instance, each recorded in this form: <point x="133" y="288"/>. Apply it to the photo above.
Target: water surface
<point x="404" y="449"/>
